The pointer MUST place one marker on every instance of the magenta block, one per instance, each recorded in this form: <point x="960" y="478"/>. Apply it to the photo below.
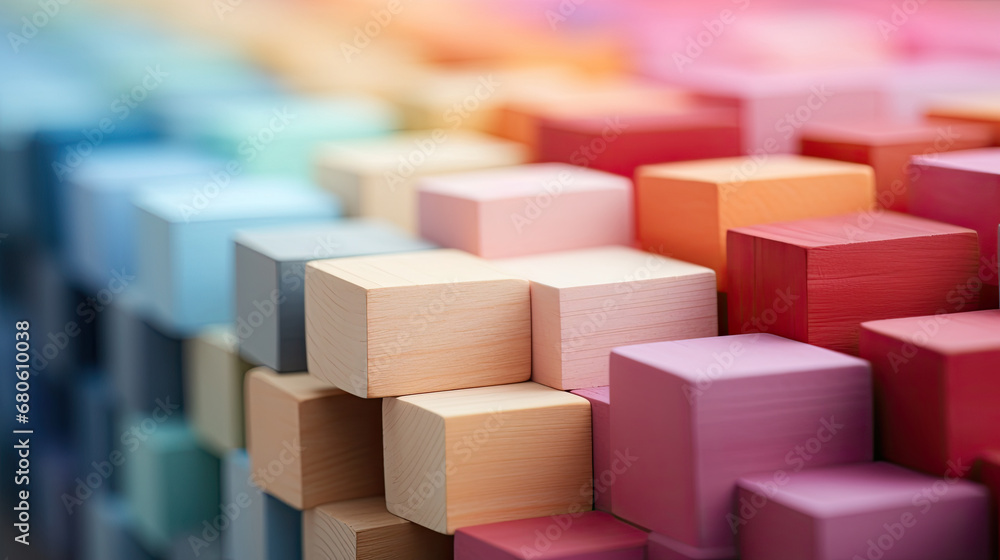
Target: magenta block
<point x="660" y="547"/>
<point x="591" y="535"/>
<point x="695" y="415"/>
<point x="869" y="510"/>
<point x="606" y="469"/>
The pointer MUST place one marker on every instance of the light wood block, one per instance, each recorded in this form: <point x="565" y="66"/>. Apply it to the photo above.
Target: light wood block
<point x="586" y="302"/>
<point x="937" y="390"/>
<point x="887" y="147"/>
<point x="391" y="325"/>
<point x="484" y="455"/>
<point x="364" y="529"/>
<point x="578" y="536"/>
<point x="977" y="108"/>
<point x="213" y="381"/>
<point x="691" y="416"/>
<point x="963" y="188"/>
<point x="376" y="177"/>
<point x="311" y="443"/>
<point x="605" y="474"/>
<point x="686" y="208"/>
<point x="817" y="280"/>
<point x="870" y="510"/>
<point x="527" y="209"/>
<point x="244" y="539"/>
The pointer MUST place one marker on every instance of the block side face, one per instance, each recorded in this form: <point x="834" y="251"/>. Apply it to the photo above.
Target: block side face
<point x="771" y="530"/>
<point x="970" y="394"/>
<point x="457" y="335"/>
<point x="546" y="336"/>
<point x="257" y="282"/>
<point x="325" y="536"/>
<point x="214" y="376"/>
<point x="419" y="543"/>
<point x="289" y="299"/>
<point x="154" y="264"/>
<point x="449" y="221"/>
<point x="416" y="465"/>
<point x="768" y="290"/>
<point x="336" y="318"/>
<point x="343" y="183"/>
<point x="273" y="432"/>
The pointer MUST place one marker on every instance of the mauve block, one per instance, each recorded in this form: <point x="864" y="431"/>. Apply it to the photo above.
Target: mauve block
<point x="600" y="419"/>
<point x="660" y="547"/>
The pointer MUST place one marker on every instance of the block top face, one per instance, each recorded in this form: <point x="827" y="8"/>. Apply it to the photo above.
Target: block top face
<point x="506" y="398"/>
<point x="244" y="198"/>
<point x="600" y="394"/>
<point x="420" y="268"/>
<point x="362" y="514"/>
<point x="312" y="116"/>
<point x="600" y="266"/>
<point x="854" y="489"/>
<point x="722" y="171"/>
<point x="890" y="133"/>
<point x="846" y="229"/>
<point x="590" y="533"/>
<point x="736" y="357"/>
<point x="327" y="240"/>
<point x="300" y="386"/>
<point x="523" y="181"/>
<point x="977" y="106"/>
<point x="981" y="160"/>
<point x="120" y="167"/>
<point x="957" y="333"/>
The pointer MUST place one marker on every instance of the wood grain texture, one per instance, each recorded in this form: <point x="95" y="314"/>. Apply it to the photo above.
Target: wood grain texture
<point x="685" y="208"/>
<point x="817" y="280"/>
<point x="364" y="529"/>
<point x="213" y="376"/>
<point x="313" y="443"/>
<point x="586" y="302"/>
<point x="417" y="322"/>
<point x="484" y="455"/>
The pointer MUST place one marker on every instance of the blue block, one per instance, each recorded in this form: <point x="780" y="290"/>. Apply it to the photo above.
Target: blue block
<point x="108" y="531"/>
<point x="185" y="230"/>
<point x="93" y="420"/>
<point x="282" y="530"/>
<point x="244" y="540"/>
<point x="53" y="470"/>
<point x="270" y="281"/>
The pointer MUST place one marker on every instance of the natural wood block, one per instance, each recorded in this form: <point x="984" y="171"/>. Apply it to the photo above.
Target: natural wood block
<point x="324" y="444"/>
<point x="817" y="280"/>
<point x="606" y="464"/>
<point x="582" y="535"/>
<point x="963" y="188"/>
<point x="270" y="281"/>
<point x="244" y="539"/>
<point x="527" y="209"/>
<point x="390" y="325"/>
<point x="475" y="456"/>
<point x="364" y="529"/>
<point x="588" y="301"/>
<point x="660" y="547"/>
<point x="969" y="108"/>
<point x="887" y="147"/>
<point x="691" y="416"/>
<point x="376" y="177"/>
<point x="869" y="510"/>
<point x="685" y="208"/>
<point x="937" y="392"/>
<point x="213" y="377"/>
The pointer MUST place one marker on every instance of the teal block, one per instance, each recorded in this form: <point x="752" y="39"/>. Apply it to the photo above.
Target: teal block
<point x="244" y="539"/>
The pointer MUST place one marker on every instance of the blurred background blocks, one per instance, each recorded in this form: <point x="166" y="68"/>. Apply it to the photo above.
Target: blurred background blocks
<point x="282" y="530"/>
<point x="213" y="379"/>
<point x="978" y="107"/>
<point x="244" y="538"/>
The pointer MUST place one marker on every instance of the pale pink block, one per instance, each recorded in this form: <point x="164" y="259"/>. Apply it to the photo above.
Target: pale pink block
<point x="526" y="209"/>
<point x="660" y="547"/>
<point x="868" y="510"/>
<point x="605" y="474"/>
<point x="592" y="535"/>
<point x="697" y="414"/>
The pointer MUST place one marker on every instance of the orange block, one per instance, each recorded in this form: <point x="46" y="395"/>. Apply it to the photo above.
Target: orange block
<point x="685" y="208"/>
<point x="969" y="108"/>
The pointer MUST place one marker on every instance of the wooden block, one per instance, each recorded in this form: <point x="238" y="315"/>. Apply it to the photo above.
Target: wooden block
<point x="282" y="530"/>
<point x="887" y="147"/>
<point x="817" y="280"/>
<point x="660" y="547"/>
<point x="586" y="302"/>
<point x="963" y="188"/>
<point x="392" y="325"/>
<point x="108" y="533"/>
<point x="476" y="456"/>
<point x="213" y="377"/>
<point x="244" y="539"/>
<point x="364" y="529"/>
<point x="376" y="178"/>
<point x="605" y="474"/>
<point x="525" y="210"/>
<point x="935" y="376"/>
<point x="870" y="510"/>
<point x="691" y="416"/>
<point x="685" y="208"/>
<point x="976" y="108"/>
<point x="185" y="270"/>
<point x="585" y="535"/>
<point x="324" y="444"/>
<point x="270" y="281"/>
<point x="172" y="485"/>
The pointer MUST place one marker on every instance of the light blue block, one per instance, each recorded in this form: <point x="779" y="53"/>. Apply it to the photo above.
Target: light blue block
<point x="270" y="281"/>
<point x="184" y="243"/>
<point x="108" y="531"/>
<point x="244" y="540"/>
<point x="282" y="530"/>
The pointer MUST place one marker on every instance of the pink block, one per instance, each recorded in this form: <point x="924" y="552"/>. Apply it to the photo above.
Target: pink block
<point x="660" y="547"/>
<point x="592" y="535"/>
<point x="868" y="510"/>
<point x="605" y="468"/>
<point x="695" y="415"/>
<point x="526" y="209"/>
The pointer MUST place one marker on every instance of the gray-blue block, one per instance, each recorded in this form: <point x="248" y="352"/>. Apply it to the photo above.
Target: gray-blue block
<point x="108" y="531"/>
<point x="244" y="539"/>
<point x="270" y="281"/>
<point x="282" y="530"/>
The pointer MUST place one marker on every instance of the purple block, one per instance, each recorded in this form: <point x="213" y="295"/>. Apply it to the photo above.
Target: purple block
<point x="869" y="511"/>
<point x="660" y="547"/>
<point x="605" y="472"/>
<point x="695" y="415"/>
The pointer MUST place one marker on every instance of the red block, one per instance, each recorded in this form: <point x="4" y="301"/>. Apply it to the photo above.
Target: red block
<point x="937" y="388"/>
<point x="987" y="472"/>
<point x="963" y="188"/>
<point x="605" y="472"/>
<point x="817" y="280"/>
